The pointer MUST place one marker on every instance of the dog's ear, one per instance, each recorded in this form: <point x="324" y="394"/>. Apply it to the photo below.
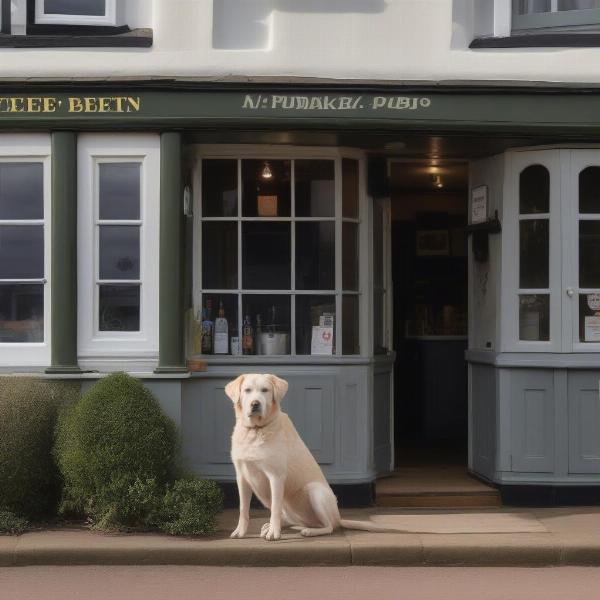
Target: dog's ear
<point x="280" y="387"/>
<point x="233" y="388"/>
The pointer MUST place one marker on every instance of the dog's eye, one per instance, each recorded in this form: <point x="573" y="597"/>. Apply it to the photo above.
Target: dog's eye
<point x="247" y="390"/>
<point x="264" y="390"/>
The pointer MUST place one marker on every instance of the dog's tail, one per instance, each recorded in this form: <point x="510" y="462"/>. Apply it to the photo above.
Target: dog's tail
<point x="369" y="526"/>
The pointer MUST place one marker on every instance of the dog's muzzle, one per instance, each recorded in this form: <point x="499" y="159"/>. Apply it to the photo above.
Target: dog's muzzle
<point x="255" y="407"/>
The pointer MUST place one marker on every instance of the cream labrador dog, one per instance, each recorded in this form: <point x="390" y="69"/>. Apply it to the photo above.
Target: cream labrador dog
<point x="272" y="461"/>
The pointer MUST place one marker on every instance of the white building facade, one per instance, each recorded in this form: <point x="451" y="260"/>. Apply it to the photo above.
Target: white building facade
<point x="166" y="164"/>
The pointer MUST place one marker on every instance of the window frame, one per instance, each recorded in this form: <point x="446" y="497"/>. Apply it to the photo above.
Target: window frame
<point x="241" y="152"/>
<point x="95" y="149"/>
<point x="32" y="148"/>
<point x="41" y="18"/>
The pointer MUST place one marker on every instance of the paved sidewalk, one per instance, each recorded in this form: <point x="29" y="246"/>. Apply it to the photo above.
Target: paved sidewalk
<point x="566" y="536"/>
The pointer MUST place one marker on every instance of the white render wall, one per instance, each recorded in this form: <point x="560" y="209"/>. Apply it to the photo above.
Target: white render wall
<point x="395" y="40"/>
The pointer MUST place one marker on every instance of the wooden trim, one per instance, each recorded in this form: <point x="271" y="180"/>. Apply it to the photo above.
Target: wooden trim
<point x="119" y="37"/>
<point x="539" y="40"/>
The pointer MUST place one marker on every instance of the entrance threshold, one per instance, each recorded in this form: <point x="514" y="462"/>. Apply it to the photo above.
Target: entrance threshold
<point x="432" y="480"/>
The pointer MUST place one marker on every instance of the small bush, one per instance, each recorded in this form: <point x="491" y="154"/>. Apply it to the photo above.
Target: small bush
<point x="191" y="506"/>
<point x="10" y="524"/>
<point x="114" y="447"/>
<point x="29" y="480"/>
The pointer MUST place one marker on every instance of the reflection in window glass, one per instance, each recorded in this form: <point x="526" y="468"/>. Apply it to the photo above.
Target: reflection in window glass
<point x="211" y="311"/>
<point x="266" y="188"/>
<point x="350" y="322"/>
<point x="589" y="190"/>
<point x="266" y="324"/>
<point x="534" y="190"/>
<point x="350" y="188"/>
<point x="119" y="252"/>
<point x="119" y="307"/>
<point x="21" y="191"/>
<point x="525" y="7"/>
<point x="350" y="256"/>
<point x="589" y="254"/>
<point x="266" y="255"/>
<point x="21" y="313"/>
<point x="219" y="188"/>
<point x="534" y="318"/>
<point x="95" y="8"/>
<point x="119" y="190"/>
<point x="220" y="255"/>
<point x="534" y="248"/>
<point x="21" y="252"/>
<point x="315" y="312"/>
<point x="315" y="188"/>
<point x="315" y="255"/>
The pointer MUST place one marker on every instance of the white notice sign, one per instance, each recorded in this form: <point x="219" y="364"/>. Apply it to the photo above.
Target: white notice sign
<point x="479" y="204"/>
<point x="592" y="329"/>
<point x="322" y="340"/>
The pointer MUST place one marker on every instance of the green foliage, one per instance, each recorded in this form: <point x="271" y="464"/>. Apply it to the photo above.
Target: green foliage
<point x="190" y="507"/>
<point x="116" y="450"/>
<point x="29" y="480"/>
<point x="10" y="524"/>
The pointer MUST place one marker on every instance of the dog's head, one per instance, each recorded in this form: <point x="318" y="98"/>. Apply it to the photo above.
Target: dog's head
<point x="256" y="398"/>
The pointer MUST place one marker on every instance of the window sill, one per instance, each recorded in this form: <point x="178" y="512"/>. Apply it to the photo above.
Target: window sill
<point x="136" y="38"/>
<point x="539" y="40"/>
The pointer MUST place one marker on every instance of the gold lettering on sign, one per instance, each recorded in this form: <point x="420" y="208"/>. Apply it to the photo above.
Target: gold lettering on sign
<point x="73" y="104"/>
<point x="105" y="104"/>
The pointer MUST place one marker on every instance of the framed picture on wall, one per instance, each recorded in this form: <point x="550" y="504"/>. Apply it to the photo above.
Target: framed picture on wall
<point x="433" y="242"/>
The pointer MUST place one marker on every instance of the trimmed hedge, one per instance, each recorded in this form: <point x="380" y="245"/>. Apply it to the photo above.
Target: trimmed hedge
<point x="29" y="480"/>
<point x="116" y="450"/>
<point x="10" y="524"/>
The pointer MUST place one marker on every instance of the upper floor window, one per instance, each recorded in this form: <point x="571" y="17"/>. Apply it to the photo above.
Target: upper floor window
<point x="75" y="12"/>
<point x="530" y="14"/>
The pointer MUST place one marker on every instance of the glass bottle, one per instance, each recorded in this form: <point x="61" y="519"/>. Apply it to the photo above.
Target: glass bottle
<point x="207" y="330"/>
<point x="221" y="332"/>
<point x="257" y="337"/>
<point x="247" y="336"/>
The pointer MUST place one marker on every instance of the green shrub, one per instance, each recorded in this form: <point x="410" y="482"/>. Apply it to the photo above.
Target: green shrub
<point x="109" y="446"/>
<point x="10" y="524"/>
<point x="29" y="480"/>
<point x="190" y="507"/>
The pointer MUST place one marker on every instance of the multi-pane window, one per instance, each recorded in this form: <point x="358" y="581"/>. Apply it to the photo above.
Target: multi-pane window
<point x="555" y="13"/>
<point x="75" y="12"/>
<point x="118" y="233"/>
<point x="588" y="217"/>
<point x="22" y="264"/>
<point x="279" y="255"/>
<point x="534" y="254"/>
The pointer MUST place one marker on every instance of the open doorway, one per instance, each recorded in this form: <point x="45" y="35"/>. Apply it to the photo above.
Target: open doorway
<point x="428" y="207"/>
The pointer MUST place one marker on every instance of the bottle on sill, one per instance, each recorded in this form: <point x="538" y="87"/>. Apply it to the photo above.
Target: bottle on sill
<point x="258" y="335"/>
<point x="197" y="333"/>
<point x="247" y="337"/>
<point x="207" y="330"/>
<point x="221" y="332"/>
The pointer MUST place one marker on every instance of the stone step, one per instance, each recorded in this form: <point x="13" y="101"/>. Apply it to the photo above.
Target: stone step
<point x="439" y="500"/>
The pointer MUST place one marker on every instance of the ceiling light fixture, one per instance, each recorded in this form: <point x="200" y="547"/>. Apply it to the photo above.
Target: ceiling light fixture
<point x="437" y="181"/>
<point x="266" y="172"/>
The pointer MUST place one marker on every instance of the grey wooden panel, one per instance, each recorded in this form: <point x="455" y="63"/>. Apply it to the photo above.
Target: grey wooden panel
<point x="310" y="406"/>
<point x="483" y="419"/>
<point x="584" y="422"/>
<point x="532" y="420"/>
<point x="348" y="414"/>
<point x="207" y="422"/>
<point x="382" y="447"/>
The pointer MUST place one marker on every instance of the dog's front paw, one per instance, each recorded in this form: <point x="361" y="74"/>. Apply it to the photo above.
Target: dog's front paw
<point x="239" y="532"/>
<point x="270" y="533"/>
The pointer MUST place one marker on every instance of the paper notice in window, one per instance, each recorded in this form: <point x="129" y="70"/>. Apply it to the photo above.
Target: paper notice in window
<point x="592" y="329"/>
<point x="267" y="206"/>
<point x="322" y="340"/>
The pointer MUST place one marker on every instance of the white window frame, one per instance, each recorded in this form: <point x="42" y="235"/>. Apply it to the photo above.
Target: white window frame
<point x="516" y="163"/>
<point x="108" y="19"/>
<point x="32" y="148"/>
<point x="241" y="152"/>
<point x="95" y="345"/>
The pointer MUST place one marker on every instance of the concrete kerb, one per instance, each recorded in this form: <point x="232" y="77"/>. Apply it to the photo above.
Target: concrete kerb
<point x="571" y="539"/>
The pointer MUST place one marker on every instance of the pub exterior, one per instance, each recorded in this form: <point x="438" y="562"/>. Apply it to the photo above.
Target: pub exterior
<point x="188" y="195"/>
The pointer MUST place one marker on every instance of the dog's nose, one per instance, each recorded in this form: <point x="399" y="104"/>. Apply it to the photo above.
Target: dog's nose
<point x="255" y="405"/>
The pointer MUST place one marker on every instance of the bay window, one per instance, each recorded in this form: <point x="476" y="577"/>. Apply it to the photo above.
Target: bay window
<point x="528" y="14"/>
<point x="24" y="250"/>
<point x="277" y="253"/>
<point x="75" y="12"/>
